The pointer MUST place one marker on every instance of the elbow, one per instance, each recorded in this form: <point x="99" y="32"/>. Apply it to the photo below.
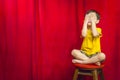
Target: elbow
<point x="95" y="35"/>
<point x="83" y="35"/>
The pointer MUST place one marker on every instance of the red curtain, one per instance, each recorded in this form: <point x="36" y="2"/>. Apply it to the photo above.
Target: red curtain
<point x="37" y="36"/>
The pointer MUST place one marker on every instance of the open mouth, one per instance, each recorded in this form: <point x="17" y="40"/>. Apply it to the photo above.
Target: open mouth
<point x="89" y="23"/>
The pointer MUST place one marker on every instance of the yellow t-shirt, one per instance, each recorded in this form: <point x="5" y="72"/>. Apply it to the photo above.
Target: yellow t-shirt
<point x="91" y="44"/>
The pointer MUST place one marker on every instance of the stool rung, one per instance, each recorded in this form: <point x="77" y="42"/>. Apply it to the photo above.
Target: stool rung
<point x="83" y="73"/>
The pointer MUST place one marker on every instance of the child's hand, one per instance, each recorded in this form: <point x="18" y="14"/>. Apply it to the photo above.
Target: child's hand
<point x="86" y="20"/>
<point x="93" y="18"/>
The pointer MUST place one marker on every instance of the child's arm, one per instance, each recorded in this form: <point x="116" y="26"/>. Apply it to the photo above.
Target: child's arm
<point x="94" y="30"/>
<point x="84" y="29"/>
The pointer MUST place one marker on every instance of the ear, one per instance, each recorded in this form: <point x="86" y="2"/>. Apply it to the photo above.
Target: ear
<point x="97" y="21"/>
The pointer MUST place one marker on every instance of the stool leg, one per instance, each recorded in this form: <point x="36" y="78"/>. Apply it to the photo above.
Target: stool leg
<point x="76" y="74"/>
<point x="95" y="74"/>
<point x="101" y="75"/>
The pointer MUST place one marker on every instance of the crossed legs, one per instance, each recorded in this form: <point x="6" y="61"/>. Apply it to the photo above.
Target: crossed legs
<point x="83" y="59"/>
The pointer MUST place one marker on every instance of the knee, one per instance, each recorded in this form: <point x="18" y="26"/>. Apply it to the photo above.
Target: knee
<point x="101" y="56"/>
<point x="73" y="52"/>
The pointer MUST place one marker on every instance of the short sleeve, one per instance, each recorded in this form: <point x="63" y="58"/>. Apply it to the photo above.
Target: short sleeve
<point x="99" y="31"/>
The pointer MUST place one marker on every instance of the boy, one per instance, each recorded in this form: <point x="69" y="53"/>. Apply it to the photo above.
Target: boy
<point x="90" y="50"/>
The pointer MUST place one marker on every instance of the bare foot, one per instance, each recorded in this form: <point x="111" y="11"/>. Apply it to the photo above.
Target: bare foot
<point x="77" y="61"/>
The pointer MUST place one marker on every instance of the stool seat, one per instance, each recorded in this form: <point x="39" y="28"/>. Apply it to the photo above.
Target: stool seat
<point x="88" y="70"/>
<point x="88" y="66"/>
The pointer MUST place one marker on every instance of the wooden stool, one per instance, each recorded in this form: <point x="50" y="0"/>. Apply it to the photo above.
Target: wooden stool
<point x="88" y="70"/>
